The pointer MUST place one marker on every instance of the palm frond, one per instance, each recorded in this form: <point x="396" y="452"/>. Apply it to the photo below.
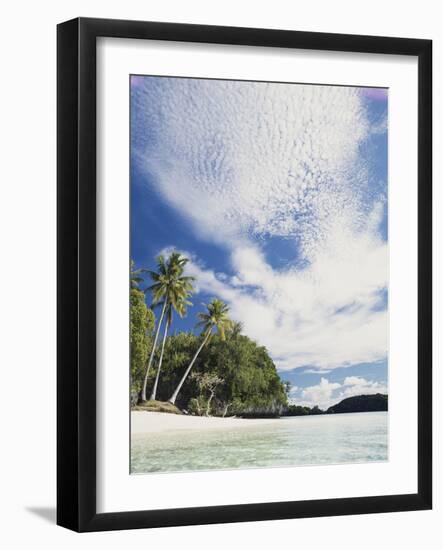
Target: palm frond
<point x="170" y="284"/>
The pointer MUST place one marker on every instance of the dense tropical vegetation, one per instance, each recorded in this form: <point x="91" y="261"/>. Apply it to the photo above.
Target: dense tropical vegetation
<point x="141" y="328"/>
<point x="218" y="371"/>
<point x="302" y="410"/>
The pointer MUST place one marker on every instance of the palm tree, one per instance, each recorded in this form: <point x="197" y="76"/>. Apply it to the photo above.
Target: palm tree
<point x="177" y="301"/>
<point x="168" y="284"/>
<point x="135" y="275"/>
<point x="216" y="317"/>
<point x="236" y="329"/>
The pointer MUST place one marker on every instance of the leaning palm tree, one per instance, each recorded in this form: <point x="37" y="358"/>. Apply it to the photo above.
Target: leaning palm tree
<point x="215" y="317"/>
<point x="177" y="301"/>
<point x="167" y="280"/>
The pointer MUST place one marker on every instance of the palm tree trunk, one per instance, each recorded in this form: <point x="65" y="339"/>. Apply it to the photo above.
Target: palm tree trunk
<point x="151" y="357"/>
<point x="188" y="370"/>
<point x="154" y="389"/>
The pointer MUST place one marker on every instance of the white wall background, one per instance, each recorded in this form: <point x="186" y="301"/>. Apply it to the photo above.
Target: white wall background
<point x="27" y="285"/>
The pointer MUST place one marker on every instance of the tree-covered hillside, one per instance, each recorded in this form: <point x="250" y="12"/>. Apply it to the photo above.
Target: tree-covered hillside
<point x="248" y="383"/>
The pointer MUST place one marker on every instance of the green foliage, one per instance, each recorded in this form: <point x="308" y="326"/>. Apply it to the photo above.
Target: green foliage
<point x="250" y="387"/>
<point x="141" y="327"/>
<point x="215" y="316"/>
<point x="135" y="276"/>
<point x="297" y="410"/>
<point x="170" y="285"/>
<point x="178" y="353"/>
<point x="197" y="405"/>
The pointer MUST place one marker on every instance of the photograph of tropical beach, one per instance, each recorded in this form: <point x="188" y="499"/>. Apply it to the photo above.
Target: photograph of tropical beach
<point x="258" y="274"/>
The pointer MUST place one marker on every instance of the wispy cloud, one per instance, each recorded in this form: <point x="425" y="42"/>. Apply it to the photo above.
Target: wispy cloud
<point x="246" y="161"/>
<point x="316" y="371"/>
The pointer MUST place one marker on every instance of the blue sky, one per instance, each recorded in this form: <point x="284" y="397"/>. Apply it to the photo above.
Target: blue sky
<point x="278" y="194"/>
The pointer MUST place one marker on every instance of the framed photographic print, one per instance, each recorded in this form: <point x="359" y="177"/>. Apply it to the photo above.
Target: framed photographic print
<point x="244" y="274"/>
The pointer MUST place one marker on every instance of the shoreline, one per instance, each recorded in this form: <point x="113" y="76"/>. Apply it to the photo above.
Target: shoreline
<point x="146" y="422"/>
<point x="152" y="422"/>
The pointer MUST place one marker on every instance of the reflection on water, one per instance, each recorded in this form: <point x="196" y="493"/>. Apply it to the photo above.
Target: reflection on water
<point x="292" y="441"/>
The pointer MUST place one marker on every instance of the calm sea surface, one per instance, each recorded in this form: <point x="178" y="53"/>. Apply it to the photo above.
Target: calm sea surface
<point x="292" y="441"/>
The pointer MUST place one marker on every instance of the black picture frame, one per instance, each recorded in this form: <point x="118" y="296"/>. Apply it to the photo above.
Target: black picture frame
<point x="76" y="294"/>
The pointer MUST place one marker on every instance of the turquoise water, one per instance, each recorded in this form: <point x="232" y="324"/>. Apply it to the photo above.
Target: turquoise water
<point x="290" y="441"/>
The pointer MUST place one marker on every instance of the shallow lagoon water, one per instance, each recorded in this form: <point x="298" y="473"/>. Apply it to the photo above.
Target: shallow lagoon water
<point x="291" y="441"/>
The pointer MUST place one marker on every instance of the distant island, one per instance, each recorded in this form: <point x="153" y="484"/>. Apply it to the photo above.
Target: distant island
<point x="357" y="403"/>
<point x="361" y="403"/>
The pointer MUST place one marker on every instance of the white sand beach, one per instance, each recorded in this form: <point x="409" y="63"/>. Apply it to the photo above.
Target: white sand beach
<point x="143" y="422"/>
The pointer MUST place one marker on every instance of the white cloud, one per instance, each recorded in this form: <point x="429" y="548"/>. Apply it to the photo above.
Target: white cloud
<point x="320" y="394"/>
<point x="245" y="161"/>
<point x="354" y="381"/>
<point x="354" y="385"/>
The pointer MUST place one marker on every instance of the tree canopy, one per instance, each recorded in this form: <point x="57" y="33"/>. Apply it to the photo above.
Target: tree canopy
<point x="251" y="385"/>
<point x="141" y="328"/>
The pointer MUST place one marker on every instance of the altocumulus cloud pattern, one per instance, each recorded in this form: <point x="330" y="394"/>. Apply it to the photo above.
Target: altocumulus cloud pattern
<point x="248" y="164"/>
